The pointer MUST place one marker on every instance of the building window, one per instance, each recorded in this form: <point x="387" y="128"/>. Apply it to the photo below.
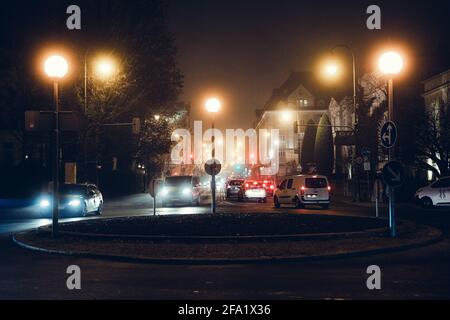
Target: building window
<point x="303" y="102"/>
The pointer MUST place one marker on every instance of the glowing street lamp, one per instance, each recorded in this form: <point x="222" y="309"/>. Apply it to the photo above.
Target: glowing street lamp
<point x="213" y="106"/>
<point x="331" y="69"/>
<point x="105" y="67"/>
<point x="56" y="68"/>
<point x="391" y="63"/>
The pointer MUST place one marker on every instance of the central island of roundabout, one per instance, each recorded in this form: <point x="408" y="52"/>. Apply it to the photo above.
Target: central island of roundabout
<point x="227" y="238"/>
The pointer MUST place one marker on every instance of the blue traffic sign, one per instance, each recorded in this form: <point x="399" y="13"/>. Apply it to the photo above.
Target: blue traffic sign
<point x="394" y="174"/>
<point x="388" y="134"/>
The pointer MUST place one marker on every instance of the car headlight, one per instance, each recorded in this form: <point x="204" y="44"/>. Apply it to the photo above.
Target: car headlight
<point x="164" y="191"/>
<point x="186" y="190"/>
<point x="74" y="203"/>
<point x="44" y="203"/>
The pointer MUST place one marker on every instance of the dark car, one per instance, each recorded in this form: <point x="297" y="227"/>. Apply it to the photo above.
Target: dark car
<point x="181" y="190"/>
<point x="234" y="189"/>
<point x="75" y="200"/>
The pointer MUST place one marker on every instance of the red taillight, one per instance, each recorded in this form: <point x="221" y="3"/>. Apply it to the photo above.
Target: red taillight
<point x="329" y="188"/>
<point x="264" y="185"/>
<point x="302" y="190"/>
<point x="271" y="187"/>
<point x="246" y="185"/>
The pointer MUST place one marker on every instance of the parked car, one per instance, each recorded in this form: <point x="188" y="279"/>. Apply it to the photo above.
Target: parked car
<point x="435" y="194"/>
<point x="303" y="190"/>
<point x="75" y="200"/>
<point x="254" y="190"/>
<point x="234" y="188"/>
<point x="181" y="190"/>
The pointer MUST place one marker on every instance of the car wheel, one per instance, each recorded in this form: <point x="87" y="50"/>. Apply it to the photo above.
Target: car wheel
<point x="298" y="203"/>
<point x="100" y="208"/>
<point x="276" y="202"/>
<point x="264" y="200"/>
<point x="240" y="197"/>
<point x="426" y="202"/>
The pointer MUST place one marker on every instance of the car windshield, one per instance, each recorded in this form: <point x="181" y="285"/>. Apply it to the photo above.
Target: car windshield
<point x="316" y="183"/>
<point x="72" y="190"/>
<point x="177" y="181"/>
<point x="235" y="182"/>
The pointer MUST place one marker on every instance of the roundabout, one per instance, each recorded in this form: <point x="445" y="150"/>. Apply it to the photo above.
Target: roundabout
<point x="227" y="238"/>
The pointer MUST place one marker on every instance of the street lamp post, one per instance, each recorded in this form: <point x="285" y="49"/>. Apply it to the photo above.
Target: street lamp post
<point x="390" y="64"/>
<point x="213" y="106"/>
<point x="331" y="71"/>
<point x="104" y="67"/>
<point x="56" y="68"/>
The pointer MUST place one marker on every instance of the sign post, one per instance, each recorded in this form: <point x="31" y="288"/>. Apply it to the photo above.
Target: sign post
<point x="154" y="188"/>
<point x="213" y="167"/>
<point x="394" y="176"/>
<point x="388" y="138"/>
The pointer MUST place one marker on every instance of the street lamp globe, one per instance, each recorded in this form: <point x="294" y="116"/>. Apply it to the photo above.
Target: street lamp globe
<point x="390" y="63"/>
<point x="213" y="105"/>
<point x="105" y="67"/>
<point x="56" y="67"/>
<point x="331" y="69"/>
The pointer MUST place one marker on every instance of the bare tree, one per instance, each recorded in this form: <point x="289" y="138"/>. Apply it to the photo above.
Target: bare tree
<point x="433" y="140"/>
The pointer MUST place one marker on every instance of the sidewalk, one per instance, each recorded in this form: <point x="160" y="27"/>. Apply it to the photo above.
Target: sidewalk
<point x="349" y="201"/>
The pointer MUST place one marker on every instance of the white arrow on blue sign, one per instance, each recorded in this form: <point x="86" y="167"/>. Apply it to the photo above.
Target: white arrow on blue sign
<point x="388" y="134"/>
<point x="394" y="174"/>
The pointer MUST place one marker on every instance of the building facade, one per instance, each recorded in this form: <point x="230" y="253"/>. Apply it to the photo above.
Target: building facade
<point x="298" y="99"/>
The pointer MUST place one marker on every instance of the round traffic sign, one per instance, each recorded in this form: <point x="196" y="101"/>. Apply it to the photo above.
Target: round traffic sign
<point x="388" y="134"/>
<point x="213" y="167"/>
<point x="155" y="186"/>
<point x="394" y="174"/>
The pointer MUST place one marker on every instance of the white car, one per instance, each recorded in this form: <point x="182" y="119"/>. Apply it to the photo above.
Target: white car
<point x="254" y="190"/>
<point x="436" y="194"/>
<point x="303" y="190"/>
<point x="74" y="200"/>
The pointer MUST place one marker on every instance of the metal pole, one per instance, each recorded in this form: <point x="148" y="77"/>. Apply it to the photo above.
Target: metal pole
<point x="377" y="190"/>
<point x="55" y="216"/>
<point x="85" y="114"/>
<point x="213" y="177"/>
<point x="154" y="198"/>
<point x="85" y="83"/>
<point x="391" y="189"/>
<point x="355" y="119"/>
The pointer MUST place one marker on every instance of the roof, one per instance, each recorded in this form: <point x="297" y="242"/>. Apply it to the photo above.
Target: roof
<point x="306" y="79"/>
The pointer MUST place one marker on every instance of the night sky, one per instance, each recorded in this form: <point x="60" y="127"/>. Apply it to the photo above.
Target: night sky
<point x="241" y="50"/>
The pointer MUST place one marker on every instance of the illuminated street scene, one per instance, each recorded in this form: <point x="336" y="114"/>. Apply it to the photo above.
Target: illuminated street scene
<point x="224" y="150"/>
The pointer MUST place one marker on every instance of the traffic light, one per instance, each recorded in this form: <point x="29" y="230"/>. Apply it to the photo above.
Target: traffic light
<point x="136" y="124"/>
<point x="295" y="127"/>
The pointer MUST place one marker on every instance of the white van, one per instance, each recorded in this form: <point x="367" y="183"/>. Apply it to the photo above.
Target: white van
<point x="303" y="190"/>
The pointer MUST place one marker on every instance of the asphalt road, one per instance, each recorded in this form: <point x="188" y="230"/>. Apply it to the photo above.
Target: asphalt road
<point x="414" y="274"/>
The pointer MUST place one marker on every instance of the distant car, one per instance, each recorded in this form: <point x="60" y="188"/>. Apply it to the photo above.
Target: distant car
<point x="435" y="194"/>
<point x="254" y="190"/>
<point x="303" y="190"/>
<point x="75" y="200"/>
<point x="234" y="189"/>
<point x="181" y="190"/>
